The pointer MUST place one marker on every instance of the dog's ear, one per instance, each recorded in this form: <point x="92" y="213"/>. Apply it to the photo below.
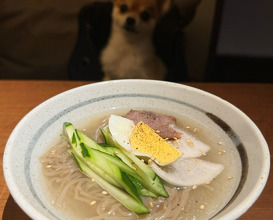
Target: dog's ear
<point x="165" y="6"/>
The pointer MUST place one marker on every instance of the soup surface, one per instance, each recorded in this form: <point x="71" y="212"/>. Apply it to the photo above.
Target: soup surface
<point x="76" y="196"/>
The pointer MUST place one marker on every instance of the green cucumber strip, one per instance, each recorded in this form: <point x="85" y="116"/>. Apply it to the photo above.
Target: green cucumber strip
<point x="98" y="171"/>
<point x="150" y="180"/>
<point x="107" y="136"/>
<point x="109" y="153"/>
<point x="77" y="138"/>
<point x="140" y="189"/>
<point x="121" y="196"/>
<point x="116" y="151"/>
<point x="106" y="163"/>
<point x="88" y="141"/>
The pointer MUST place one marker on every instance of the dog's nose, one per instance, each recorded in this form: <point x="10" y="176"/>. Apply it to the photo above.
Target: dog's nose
<point x="130" y="21"/>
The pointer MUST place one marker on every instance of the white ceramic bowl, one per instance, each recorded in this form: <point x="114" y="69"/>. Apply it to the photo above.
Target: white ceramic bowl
<point x="36" y="131"/>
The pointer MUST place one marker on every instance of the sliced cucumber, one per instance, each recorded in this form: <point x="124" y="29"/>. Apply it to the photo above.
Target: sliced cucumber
<point x="121" y="196"/>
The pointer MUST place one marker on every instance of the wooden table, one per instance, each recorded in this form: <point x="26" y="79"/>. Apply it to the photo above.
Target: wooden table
<point x="17" y="98"/>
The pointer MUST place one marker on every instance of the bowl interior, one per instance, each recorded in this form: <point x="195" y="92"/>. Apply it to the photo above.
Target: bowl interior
<point x="38" y="130"/>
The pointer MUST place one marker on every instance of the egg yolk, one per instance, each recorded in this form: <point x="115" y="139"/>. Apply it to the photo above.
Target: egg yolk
<point x="145" y="140"/>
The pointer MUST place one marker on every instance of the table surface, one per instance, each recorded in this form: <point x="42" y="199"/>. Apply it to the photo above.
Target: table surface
<point x="18" y="97"/>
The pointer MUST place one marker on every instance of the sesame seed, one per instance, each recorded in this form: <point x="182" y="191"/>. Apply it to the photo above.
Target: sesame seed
<point x="194" y="187"/>
<point x="52" y="202"/>
<point x="157" y="131"/>
<point x="104" y="192"/>
<point x="188" y="127"/>
<point x="134" y="168"/>
<point x="201" y="151"/>
<point x="151" y="204"/>
<point x="189" y="169"/>
<point x="219" y="153"/>
<point x="93" y="180"/>
<point x="93" y="202"/>
<point x="196" y="160"/>
<point x="202" y="206"/>
<point x="207" y="183"/>
<point x="116" y="152"/>
<point x="230" y="177"/>
<point x="190" y="143"/>
<point x="220" y="143"/>
<point x="48" y="166"/>
<point x="150" y="161"/>
<point x="175" y="138"/>
<point x="195" y="129"/>
<point x="142" y="160"/>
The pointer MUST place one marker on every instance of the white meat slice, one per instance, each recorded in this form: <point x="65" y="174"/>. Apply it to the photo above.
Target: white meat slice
<point x="188" y="172"/>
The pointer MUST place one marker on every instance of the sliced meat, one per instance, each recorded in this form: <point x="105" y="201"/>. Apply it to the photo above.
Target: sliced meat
<point x="156" y="121"/>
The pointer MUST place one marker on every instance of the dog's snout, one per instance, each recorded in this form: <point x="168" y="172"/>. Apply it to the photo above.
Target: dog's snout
<point x="130" y="21"/>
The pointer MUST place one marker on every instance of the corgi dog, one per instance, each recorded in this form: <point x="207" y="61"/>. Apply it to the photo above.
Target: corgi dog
<point x="129" y="52"/>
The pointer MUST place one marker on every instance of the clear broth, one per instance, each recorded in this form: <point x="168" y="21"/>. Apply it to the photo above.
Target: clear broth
<point x="205" y="201"/>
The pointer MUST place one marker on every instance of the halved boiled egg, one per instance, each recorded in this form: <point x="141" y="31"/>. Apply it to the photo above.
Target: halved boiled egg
<point x="142" y="140"/>
<point x="122" y="128"/>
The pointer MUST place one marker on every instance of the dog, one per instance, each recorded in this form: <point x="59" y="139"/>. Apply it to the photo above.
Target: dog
<point x="129" y="52"/>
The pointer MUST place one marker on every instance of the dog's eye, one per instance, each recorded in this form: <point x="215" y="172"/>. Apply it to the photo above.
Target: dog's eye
<point x="123" y="8"/>
<point x="145" y="15"/>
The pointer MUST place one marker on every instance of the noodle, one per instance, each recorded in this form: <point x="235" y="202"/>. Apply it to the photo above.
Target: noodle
<point x="98" y="135"/>
<point x="209" y="188"/>
<point x="66" y="180"/>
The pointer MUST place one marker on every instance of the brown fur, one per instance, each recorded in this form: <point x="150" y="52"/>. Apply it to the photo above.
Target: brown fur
<point x="130" y="53"/>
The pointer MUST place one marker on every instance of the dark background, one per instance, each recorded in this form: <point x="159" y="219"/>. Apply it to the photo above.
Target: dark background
<point x="227" y="40"/>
